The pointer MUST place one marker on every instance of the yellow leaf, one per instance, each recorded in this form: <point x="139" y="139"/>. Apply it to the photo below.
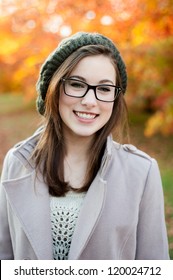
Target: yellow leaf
<point x="139" y="33"/>
<point x="154" y="124"/>
<point x="8" y="45"/>
<point x="31" y="61"/>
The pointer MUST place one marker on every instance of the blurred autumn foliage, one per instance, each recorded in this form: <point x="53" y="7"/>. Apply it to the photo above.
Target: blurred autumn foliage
<point x="142" y="30"/>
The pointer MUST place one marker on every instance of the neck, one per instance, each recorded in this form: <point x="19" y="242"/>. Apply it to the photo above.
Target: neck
<point x="78" y="147"/>
<point x="76" y="159"/>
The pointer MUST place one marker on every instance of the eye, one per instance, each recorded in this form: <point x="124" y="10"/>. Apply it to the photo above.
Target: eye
<point x="104" y="88"/>
<point x="76" y="84"/>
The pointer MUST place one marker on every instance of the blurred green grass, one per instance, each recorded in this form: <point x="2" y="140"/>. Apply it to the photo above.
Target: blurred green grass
<point x="10" y="103"/>
<point x="19" y="119"/>
<point x="167" y="179"/>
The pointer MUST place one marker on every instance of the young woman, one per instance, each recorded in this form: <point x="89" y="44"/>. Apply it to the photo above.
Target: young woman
<point x="70" y="191"/>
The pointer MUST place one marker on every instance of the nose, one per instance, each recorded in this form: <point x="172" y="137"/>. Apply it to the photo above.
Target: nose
<point x="89" y="99"/>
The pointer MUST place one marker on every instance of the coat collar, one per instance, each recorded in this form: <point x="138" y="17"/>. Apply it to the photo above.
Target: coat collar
<point x="23" y="150"/>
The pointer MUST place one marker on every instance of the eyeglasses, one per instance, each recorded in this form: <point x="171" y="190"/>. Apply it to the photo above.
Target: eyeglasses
<point x="103" y="92"/>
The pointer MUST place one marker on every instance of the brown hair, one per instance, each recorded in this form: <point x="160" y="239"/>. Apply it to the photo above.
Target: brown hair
<point x="50" y="150"/>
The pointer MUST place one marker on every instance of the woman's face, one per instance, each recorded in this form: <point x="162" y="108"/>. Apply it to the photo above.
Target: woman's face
<point x="83" y="117"/>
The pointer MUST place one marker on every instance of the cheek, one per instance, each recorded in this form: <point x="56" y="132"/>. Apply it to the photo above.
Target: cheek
<point x="66" y="105"/>
<point x="64" y="102"/>
<point x="62" y="99"/>
<point x="107" y="109"/>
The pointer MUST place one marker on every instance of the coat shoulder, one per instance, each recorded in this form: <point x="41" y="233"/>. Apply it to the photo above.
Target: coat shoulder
<point x="132" y="150"/>
<point x="18" y="159"/>
<point x="134" y="162"/>
<point x="135" y="151"/>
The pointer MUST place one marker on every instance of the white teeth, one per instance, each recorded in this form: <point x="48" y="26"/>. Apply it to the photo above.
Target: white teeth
<point x="85" y="115"/>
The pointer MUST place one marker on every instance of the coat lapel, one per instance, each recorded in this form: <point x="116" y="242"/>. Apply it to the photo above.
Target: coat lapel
<point x="89" y="215"/>
<point x="29" y="199"/>
<point x="92" y="207"/>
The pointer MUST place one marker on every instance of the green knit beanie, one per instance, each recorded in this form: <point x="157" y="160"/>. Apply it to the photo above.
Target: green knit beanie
<point x="65" y="49"/>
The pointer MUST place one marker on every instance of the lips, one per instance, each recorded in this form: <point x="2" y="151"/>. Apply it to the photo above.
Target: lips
<point x="85" y="115"/>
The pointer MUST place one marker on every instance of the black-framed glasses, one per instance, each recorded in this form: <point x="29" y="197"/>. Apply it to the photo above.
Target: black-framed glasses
<point x="103" y="92"/>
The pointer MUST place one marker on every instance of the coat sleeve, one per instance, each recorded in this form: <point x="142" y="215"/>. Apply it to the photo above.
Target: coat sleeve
<point x="152" y="242"/>
<point x="6" y="251"/>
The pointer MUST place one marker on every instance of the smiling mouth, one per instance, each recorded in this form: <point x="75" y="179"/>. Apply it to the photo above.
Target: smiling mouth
<point x="86" y="116"/>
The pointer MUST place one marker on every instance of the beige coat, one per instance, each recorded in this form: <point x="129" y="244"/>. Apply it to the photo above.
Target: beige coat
<point x="122" y="216"/>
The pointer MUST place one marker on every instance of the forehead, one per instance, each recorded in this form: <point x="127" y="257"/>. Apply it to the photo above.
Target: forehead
<point x="96" y="67"/>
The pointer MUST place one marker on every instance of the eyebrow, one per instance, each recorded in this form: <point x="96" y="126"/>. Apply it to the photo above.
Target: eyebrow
<point x="84" y="80"/>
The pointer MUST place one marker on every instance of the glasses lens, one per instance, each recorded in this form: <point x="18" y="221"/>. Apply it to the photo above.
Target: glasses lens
<point x="75" y="88"/>
<point x="106" y="92"/>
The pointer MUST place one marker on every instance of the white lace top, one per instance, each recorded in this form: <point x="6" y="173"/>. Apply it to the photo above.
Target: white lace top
<point x="64" y="213"/>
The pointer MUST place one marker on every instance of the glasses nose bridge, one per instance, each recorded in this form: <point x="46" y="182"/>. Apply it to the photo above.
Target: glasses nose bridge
<point x="93" y="88"/>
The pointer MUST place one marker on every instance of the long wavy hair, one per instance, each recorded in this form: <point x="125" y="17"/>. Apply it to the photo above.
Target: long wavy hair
<point x="50" y="150"/>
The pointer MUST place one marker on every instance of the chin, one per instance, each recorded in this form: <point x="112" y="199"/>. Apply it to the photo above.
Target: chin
<point x="85" y="134"/>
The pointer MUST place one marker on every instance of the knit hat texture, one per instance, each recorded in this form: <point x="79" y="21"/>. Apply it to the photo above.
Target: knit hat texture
<point x="63" y="51"/>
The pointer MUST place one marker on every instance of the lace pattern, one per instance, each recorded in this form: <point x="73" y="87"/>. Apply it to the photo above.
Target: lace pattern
<point x="64" y="214"/>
